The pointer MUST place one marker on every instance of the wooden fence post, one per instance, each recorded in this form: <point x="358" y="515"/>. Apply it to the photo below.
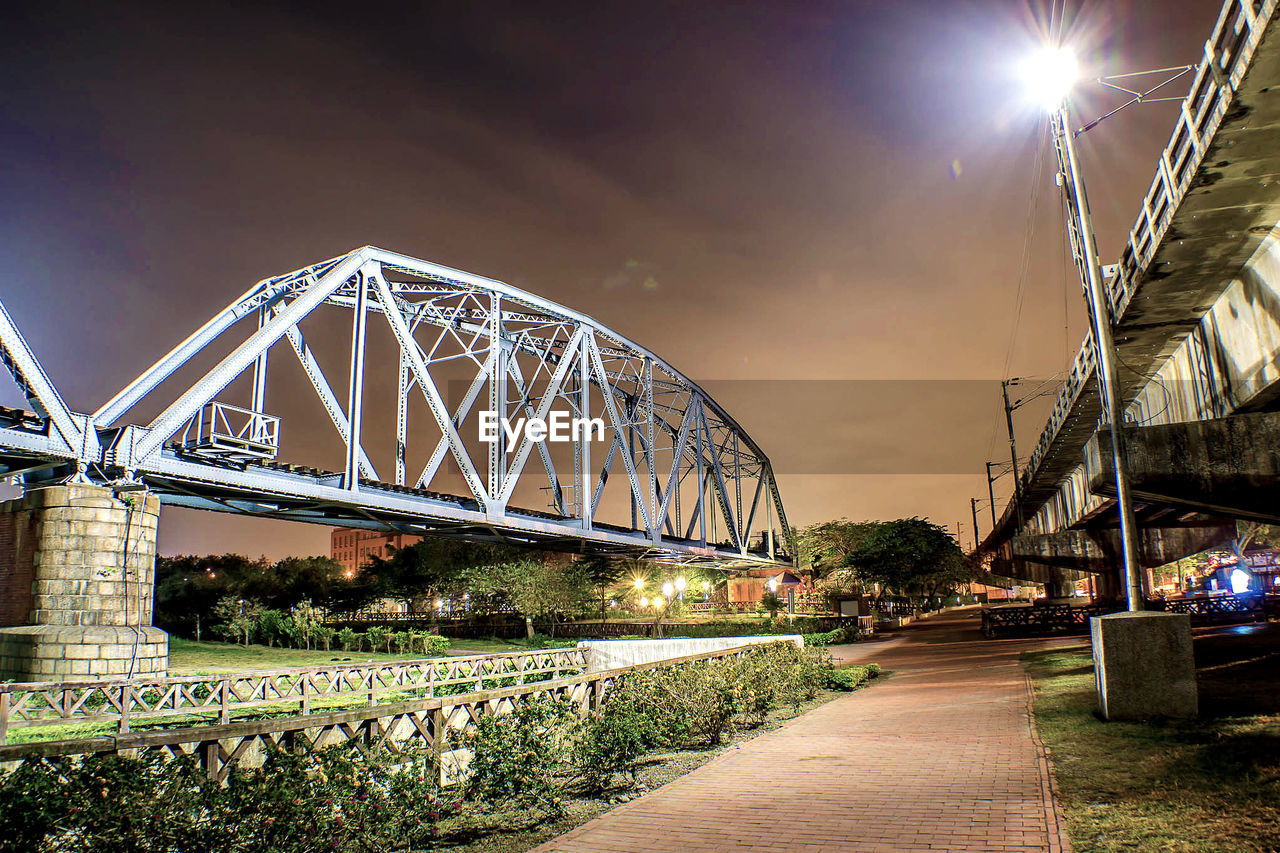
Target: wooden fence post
<point x="126" y="705"/>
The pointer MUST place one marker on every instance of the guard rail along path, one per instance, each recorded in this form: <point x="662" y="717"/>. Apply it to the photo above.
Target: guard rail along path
<point x="391" y="727"/>
<point x="123" y="702"/>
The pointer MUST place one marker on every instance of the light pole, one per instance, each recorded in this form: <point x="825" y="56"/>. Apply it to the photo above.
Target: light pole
<point x="1054" y="72"/>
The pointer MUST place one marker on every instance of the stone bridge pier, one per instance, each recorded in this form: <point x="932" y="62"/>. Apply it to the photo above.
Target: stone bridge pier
<point x="77" y="583"/>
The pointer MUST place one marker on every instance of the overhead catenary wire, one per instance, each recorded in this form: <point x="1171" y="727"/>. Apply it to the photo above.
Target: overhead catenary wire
<point x="1024" y="262"/>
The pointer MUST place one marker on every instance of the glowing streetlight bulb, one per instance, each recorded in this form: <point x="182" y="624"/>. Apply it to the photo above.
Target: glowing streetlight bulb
<point x="639" y="582"/>
<point x="706" y="585"/>
<point x="773" y="584"/>
<point x="644" y="601"/>
<point x="668" y="589"/>
<point x="1050" y="75"/>
<point x="658" y="602"/>
<point x="681" y="583"/>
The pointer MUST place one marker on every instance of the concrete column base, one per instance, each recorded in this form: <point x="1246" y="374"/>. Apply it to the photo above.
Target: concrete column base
<point x="1144" y="665"/>
<point x="77" y="573"/>
<point x="71" y="653"/>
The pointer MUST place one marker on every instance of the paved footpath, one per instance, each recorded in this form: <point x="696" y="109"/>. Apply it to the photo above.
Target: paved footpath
<point x="941" y="756"/>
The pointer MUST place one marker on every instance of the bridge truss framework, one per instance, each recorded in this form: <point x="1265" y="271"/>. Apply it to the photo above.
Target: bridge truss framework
<point x="700" y="489"/>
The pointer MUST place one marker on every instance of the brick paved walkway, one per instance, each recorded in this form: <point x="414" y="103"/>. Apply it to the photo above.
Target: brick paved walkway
<point x="941" y="756"/>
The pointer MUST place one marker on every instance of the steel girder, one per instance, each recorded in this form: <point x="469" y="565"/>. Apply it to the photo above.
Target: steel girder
<point x="687" y="464"/>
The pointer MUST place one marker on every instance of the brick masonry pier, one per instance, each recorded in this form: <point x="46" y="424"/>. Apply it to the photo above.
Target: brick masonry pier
<point x="77" y="582"/>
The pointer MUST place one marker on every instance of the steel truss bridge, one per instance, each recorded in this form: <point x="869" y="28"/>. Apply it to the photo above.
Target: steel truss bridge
<point x="696" y="487"/>
<point x="1208" y="222"/>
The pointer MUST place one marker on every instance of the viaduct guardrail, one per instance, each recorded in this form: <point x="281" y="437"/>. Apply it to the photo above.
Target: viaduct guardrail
<point x="1066" y="619"/>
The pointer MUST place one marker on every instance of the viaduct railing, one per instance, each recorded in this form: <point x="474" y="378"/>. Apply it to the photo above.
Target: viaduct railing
<point x="224" y="697"/>
<point x="393" y="727"/>
<point x="1063" y="618"/>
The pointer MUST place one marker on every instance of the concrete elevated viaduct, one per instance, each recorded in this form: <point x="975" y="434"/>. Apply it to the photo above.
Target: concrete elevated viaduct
<point x="1195" y="311"/>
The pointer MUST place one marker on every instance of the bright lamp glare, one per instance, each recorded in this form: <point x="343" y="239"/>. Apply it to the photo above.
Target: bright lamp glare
<point x="1239" y="581"/>
<point x="1050" y="75"/>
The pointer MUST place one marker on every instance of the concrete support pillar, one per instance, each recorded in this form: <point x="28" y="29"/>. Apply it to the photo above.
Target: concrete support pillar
<point x="1144" y="665"/>
<point x="77" y="582"/>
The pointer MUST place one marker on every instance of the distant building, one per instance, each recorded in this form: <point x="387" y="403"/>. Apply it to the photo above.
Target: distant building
<point x="746" y="590"/>
<point x="352" y="547"/>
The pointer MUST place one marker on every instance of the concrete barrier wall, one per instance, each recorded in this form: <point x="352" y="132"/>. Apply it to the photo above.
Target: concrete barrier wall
<point x="606" y="654"/>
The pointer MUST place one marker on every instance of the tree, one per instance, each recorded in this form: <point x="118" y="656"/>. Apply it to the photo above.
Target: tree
<point x="826" y="547"/>
<point x="603" y="573"/>
<point x="532" y="584"/>
<point x="906" y="554"/>
<point x="236" y="617"/>
<point x="189" y="587"/>
<point x="433" y="568"/>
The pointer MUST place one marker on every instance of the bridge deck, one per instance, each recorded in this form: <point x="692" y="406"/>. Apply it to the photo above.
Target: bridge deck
<point x="1213" y="201"/>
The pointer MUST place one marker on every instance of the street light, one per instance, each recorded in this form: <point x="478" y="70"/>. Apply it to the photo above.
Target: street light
<point x="644" y="601"/>
<point x="681" y="583"/>
<point x="668" y="590"/>
<point x="773" y="584"/>
<point x="639" y="583"/>
<point x="1050" y="75"/>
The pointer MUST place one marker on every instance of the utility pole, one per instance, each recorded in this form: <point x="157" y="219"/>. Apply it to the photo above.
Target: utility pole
<point x="1085" y="249"/>
<point x="973" y="505"/>
<point x="991" y="495"/>
<point x="1013" y="449"/>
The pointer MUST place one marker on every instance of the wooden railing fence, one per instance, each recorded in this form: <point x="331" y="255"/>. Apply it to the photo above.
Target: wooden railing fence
<point x="224" y="697"/>
<point x="389" y="728"/>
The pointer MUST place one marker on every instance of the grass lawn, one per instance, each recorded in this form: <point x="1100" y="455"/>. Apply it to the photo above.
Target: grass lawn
<point x="1211" y="784"/>
<point x="188" y="657"/>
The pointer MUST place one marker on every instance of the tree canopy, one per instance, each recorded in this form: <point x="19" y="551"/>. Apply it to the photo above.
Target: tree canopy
<point x="909" y="556"/>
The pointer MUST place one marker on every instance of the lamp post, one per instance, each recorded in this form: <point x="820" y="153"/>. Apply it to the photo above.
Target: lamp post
<point x="1053" y="73"/>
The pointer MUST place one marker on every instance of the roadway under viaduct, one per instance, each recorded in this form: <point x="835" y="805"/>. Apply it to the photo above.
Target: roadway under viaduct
<point x="1195" y="309"/>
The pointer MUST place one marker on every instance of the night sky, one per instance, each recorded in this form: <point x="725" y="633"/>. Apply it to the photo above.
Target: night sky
<point x="765" y="194"/>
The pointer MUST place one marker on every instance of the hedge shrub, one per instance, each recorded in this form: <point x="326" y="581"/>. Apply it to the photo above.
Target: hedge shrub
<point x="850" y="677"/>
<point x="341" y="799"/>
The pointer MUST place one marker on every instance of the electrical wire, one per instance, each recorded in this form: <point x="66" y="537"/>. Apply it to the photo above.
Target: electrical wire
<point x="1024" y="262"/>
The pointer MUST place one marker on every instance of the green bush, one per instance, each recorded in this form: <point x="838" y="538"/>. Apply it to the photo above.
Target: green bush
<point x="350" y="640"/>
<point x="338" y="798"/>
<point x="612" y="741"/>
<point x="850" y="677"/>
<point x="516" y="755"/>
<point x="378" y="636"/>
<point x="335" y="798"/>
<point x="542" y="641"/>
<point x="433" y="645"/>
<point x="744" y="627"/>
